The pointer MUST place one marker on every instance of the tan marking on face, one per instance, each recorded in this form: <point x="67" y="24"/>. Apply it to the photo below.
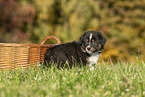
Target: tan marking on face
<point x="99" y="46"/>
<point x="92" y="49"/>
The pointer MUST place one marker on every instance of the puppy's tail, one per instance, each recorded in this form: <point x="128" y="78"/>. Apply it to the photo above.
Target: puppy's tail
<point x="47" y="58"/>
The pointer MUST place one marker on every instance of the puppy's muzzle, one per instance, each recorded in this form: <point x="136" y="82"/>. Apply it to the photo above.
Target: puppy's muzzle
<point x="88" y="48"/>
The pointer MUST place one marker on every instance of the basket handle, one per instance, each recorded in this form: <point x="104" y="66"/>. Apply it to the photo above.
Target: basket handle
<point x="50" y="37"/>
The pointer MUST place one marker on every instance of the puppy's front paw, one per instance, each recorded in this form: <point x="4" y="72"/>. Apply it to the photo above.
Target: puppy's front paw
<point x="92" y="68"/>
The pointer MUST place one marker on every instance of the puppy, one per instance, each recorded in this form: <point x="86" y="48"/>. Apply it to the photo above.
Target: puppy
<point x="86" y="51"/>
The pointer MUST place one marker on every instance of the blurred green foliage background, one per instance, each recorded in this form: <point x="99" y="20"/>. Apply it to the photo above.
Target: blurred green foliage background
<point x="122" y="22"/>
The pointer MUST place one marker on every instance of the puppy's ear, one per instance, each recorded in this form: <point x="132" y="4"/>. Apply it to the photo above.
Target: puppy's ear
<point x="103" y="42"/>
<point x="102" y="39"/>
<point x="82" y="38"/>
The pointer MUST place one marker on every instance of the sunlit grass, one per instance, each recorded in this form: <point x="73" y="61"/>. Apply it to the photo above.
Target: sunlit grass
<point x="122" y="79"/>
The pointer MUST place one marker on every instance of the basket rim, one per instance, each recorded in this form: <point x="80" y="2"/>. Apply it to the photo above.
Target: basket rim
<point x="17" y="44"/>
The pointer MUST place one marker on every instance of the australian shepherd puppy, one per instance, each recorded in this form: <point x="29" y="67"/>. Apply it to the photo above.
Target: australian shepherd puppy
<point x="86" y="51"/>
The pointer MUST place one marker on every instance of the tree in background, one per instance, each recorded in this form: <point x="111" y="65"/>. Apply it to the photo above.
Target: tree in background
<point x="63" y="18"/>
<point x="121" y="21"/>
<point x="14" y="19"/>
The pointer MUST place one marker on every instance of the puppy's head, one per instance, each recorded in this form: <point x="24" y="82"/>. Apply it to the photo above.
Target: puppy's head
<point x="92" y="41"/>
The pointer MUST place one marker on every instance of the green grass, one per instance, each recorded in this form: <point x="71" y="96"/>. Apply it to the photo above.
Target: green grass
<point x="111" y="80"/>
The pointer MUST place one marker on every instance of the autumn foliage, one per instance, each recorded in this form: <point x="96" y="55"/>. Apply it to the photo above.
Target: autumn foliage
<point x="121" y="21"/>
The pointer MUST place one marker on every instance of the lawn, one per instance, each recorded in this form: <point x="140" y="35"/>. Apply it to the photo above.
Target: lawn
<point x="111" y="80"/>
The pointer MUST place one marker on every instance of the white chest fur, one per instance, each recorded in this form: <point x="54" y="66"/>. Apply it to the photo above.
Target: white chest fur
<point x="93" y="59"/>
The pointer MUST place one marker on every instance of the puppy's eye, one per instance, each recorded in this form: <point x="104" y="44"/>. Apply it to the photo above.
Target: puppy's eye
<point x="86" y="42"/>
<point x="93" y="42"/>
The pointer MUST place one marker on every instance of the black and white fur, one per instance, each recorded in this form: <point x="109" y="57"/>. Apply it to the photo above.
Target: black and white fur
<point x="86" y="51"/>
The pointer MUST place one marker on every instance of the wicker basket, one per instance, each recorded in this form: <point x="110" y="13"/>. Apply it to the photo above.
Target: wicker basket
<point x="13" y="56"/>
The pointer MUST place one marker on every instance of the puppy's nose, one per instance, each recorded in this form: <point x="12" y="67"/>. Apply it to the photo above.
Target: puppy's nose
<point x="88" y="48"/>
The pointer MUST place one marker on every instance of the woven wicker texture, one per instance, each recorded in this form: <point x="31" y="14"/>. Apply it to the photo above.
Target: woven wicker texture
<point x="13" y="56"/>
